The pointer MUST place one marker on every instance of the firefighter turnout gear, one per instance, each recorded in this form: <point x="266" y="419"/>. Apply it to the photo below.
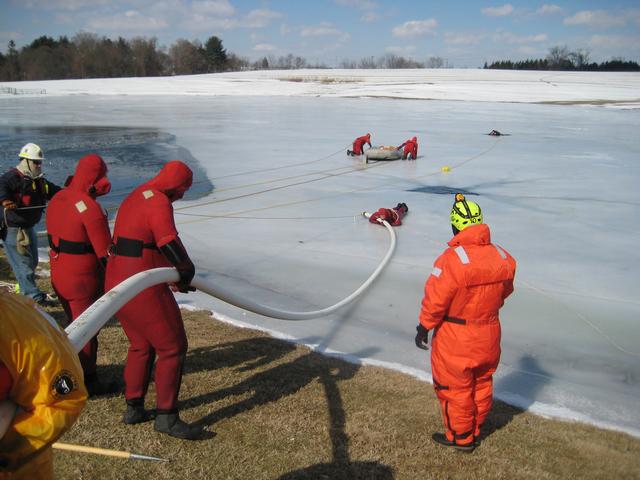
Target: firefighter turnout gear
<point x="463" y="294"/>
<point x="45" y="383"/>
<point x="79" y="241"/>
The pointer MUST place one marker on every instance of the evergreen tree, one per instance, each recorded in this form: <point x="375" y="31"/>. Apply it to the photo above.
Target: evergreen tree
<point x="215" y="54"/>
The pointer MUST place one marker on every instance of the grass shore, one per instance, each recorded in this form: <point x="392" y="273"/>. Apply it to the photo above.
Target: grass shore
<point x="275" y="410"/>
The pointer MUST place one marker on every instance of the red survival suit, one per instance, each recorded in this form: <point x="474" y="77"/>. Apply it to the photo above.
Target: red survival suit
<point x="463" y="294"/>
<point x="145" y="237"/>
<point x="359" y="143"/>
<point x="79" y="241"/>
<point x="392" y="215"/>
<point x="410" y="148"/>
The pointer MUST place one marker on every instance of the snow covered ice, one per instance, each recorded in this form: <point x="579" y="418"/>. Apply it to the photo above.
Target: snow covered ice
<point x="282" y="224"/>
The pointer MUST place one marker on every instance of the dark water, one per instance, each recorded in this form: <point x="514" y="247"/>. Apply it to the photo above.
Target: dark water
<point x="133" y="155"/>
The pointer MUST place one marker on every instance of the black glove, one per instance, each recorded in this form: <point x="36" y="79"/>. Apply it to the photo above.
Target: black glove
<point x="422" y="337"/>
<point x="177" y="255"/>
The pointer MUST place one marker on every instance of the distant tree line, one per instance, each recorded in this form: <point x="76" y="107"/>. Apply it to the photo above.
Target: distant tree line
<point x="87" y="55"/>
<point x="561" y="58"/>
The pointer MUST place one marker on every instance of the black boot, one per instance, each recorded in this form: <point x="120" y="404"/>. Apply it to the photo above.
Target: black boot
<point x="136" y="413"/>
<point x="96" y="388"/>
<point x="171" y="424"/>
<point x="442" y="439"/>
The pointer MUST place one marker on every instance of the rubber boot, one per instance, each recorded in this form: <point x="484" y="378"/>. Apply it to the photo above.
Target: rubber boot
<point x="171" y="424"/>
<point x="442" y="439"/>
<point x="136" y="412"/>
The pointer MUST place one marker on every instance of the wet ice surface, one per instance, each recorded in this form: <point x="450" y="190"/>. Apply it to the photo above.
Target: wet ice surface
<point x="559" y="194"/>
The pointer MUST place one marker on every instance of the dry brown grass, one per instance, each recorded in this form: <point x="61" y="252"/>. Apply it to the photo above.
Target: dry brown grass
<point x="281" y="411"/>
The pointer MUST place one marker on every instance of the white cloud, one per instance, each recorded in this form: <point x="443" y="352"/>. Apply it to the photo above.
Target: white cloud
<point x="216" y="8"/>
<point x="197" y="23"/>
<point x="324" y="29"/>
<point x="594" y="18"/>
<point x="70" y="5"/>
<point x="548" y="9"/>
<point x="405" y="51"/>
<point x="130" y="21"/>
<point x="361" y="4"/>
<point x="261" y="18"/>
<point x="264" y="47"/>
<point x="512" y="38"/>
<point x="613" y="41"/>
<point x="452" y="38"/>
<point x="531" y="51"/>
<point x="501" y="11"/>
<point x="369" y="17"/>
<point x="285" y="29"/>
<point x="416" y="28"/>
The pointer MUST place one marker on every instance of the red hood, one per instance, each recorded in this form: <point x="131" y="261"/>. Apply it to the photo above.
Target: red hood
<point x="91" y="171"/>
<point x="473" y="235"/>
<point x="173" y="180"/>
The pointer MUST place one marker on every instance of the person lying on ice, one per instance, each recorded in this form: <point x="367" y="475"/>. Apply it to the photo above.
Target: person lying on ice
<point x="358" y="145"/>
<point x="463" y="294"/>
<point x="79" y="241"/>
<point x="410" y="151"/>
<point x="392" y="215"/>
<point x="145" y="237"/>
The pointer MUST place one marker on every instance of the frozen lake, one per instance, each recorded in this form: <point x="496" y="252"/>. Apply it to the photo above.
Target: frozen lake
<point x="282" y="223"/>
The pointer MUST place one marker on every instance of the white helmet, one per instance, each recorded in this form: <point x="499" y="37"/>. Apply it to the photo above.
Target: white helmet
<point x="31" y="151"/>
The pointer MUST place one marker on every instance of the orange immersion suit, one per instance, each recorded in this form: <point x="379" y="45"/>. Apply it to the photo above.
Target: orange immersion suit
<point x="45" y="383"/>
<point x="463" y="294"/>
<point x="79" y="241"/>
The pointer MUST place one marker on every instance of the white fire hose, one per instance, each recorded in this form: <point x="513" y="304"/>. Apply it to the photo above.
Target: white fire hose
<point x="87" y="325"/>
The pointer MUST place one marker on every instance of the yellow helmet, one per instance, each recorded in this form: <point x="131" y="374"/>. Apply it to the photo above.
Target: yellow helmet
<point x="465" y="213"/>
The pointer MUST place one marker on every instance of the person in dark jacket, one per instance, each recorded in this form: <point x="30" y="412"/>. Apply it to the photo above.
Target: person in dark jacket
<point x="145" y="237"/>
<point x="79" y="242"/>
<point x="24" y="193"/>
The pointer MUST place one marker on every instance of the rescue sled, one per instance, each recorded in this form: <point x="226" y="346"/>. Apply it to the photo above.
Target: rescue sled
<point x="383" y="153"/>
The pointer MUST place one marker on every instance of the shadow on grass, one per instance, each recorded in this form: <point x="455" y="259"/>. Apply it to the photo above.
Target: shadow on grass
<point x="521" y="386"/>
<point x="278" y="382"/>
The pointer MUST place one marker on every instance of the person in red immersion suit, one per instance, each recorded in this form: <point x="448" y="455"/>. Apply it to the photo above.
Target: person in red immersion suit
<point x="410" y="151"/>
<point x="79" y="241"/>
<point x="463" y="294"/>
<point x="392" y="215"/>
<point x="145" y="237"/>
<point x="358" y="145"/>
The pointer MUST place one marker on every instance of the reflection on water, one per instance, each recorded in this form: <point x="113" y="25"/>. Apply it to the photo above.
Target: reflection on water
<point x="133" y="155"/>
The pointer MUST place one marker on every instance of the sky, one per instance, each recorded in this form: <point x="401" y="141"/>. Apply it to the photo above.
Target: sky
<point x="463" y="33"/>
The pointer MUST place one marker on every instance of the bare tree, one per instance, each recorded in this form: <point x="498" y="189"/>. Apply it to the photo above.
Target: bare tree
<point x="580" y="58"/>
<point x="559" y="58"/>
<point x="435" y="62"/>
<point x="186" y="57"/>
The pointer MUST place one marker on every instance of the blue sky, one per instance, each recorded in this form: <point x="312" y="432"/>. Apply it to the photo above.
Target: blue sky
<point x="464" y="33"/>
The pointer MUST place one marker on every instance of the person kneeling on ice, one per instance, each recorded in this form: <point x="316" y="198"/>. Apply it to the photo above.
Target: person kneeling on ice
<point x="358" y="145"/>
<point x="145" y="237"/>
<point x="41" y="389"/>
<point x="410" y="151"/>
<point x="463" y="294"/>
<point x="391" y="215"/>
<point x="79" y="241"/>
